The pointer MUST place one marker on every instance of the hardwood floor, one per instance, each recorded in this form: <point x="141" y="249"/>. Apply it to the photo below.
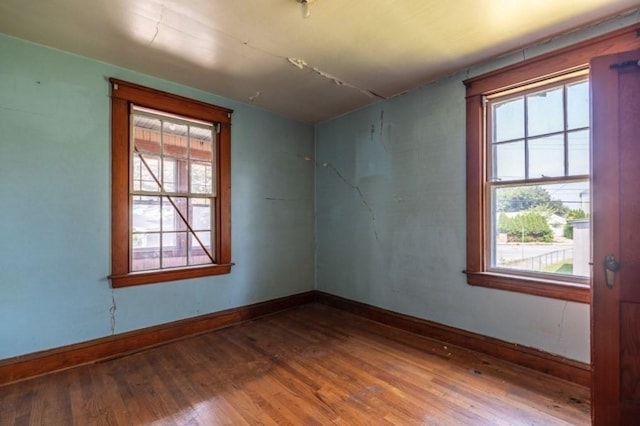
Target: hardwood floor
<point x="309" y="365"/>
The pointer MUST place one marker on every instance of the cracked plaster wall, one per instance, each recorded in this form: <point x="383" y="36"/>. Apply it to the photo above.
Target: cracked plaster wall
<point x="390" y="196"/>
<point x="55" y="207"/>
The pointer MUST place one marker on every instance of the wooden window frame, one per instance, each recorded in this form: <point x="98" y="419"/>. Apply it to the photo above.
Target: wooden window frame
<point x="538" y="70"/>
<point x="123" y="96"/>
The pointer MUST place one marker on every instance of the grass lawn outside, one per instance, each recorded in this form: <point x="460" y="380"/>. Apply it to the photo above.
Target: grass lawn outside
<point x="564" y="267"/>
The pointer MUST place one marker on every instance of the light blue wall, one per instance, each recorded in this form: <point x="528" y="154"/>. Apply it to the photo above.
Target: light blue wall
<point x="390" y="197"/>
<point x="55" y="201"/>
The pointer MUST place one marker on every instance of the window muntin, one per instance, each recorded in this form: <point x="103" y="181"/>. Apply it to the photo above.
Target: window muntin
<point x="537" y="181"/>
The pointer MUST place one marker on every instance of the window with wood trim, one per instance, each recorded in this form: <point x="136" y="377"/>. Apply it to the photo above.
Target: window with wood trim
<point x="170" y="187"/>
<point x="528" y="166"/>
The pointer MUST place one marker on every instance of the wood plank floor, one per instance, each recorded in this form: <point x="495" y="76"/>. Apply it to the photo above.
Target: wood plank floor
<point x="309" y="365"/>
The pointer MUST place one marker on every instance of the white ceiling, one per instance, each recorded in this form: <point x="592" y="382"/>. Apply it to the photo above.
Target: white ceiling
<point x="345" y="55"/>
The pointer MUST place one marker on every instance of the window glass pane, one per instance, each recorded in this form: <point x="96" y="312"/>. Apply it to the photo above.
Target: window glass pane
<point x="201" y="178"/>
<point x="545" y="112"/>
<point x="578" y="152"/>
<point x="578" y="105"/>
<point x="201" y="214"/>
<point x="145" y="237"/>
<point x="171" y="220"/>
<point x="541" y="228"/>
<point x="546" y="156"/>
<point x="508" y="120"/>
<point x="146" y="134"/>
<point x="174" y="139"/>
<point x="198" y="249"/>
<point x="201" y="143"/>
<point x="146" y="169"/>
<point x="169" y="175"/>
<point x="137" y="172"/>
<point x="145" y="214"/>
<point x="508" y="161"/>
<point x="174" y="249"/>
<point x="145" y="252"/>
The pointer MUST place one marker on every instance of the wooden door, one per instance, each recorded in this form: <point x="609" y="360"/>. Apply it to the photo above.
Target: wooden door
<point x="615" y="308"/>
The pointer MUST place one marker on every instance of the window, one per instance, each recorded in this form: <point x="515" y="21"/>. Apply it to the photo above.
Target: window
<point x="538" y="181"/>
<point x="528" y="165"/>
<point x="170" y="187"/>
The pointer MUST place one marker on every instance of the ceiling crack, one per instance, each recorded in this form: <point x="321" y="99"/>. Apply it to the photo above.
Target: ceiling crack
<point x="158" y="24"/>
<point x="254" y="97"/>
<point x="302" y="64"/>
<point x="299" y="63"/>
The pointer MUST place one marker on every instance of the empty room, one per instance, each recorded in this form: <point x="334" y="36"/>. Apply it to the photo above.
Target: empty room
<point x="319" y="212"/>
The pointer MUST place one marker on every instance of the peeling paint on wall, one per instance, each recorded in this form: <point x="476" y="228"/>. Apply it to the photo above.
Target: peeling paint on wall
<point x="112" y="312"/>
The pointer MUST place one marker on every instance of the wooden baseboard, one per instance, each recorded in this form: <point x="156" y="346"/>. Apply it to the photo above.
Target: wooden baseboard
<point x="564" y="368"/>
<point x="39" y="363"/>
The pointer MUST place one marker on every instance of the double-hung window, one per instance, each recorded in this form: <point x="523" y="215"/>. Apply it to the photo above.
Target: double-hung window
<point x="170" y="189"/>
<point x="537" y="186"/>
<point x="528" y="172"/>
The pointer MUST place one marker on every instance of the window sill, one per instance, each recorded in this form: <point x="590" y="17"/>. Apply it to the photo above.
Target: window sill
<point x="140" y="278"/>
<point x="547" y="288"/>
